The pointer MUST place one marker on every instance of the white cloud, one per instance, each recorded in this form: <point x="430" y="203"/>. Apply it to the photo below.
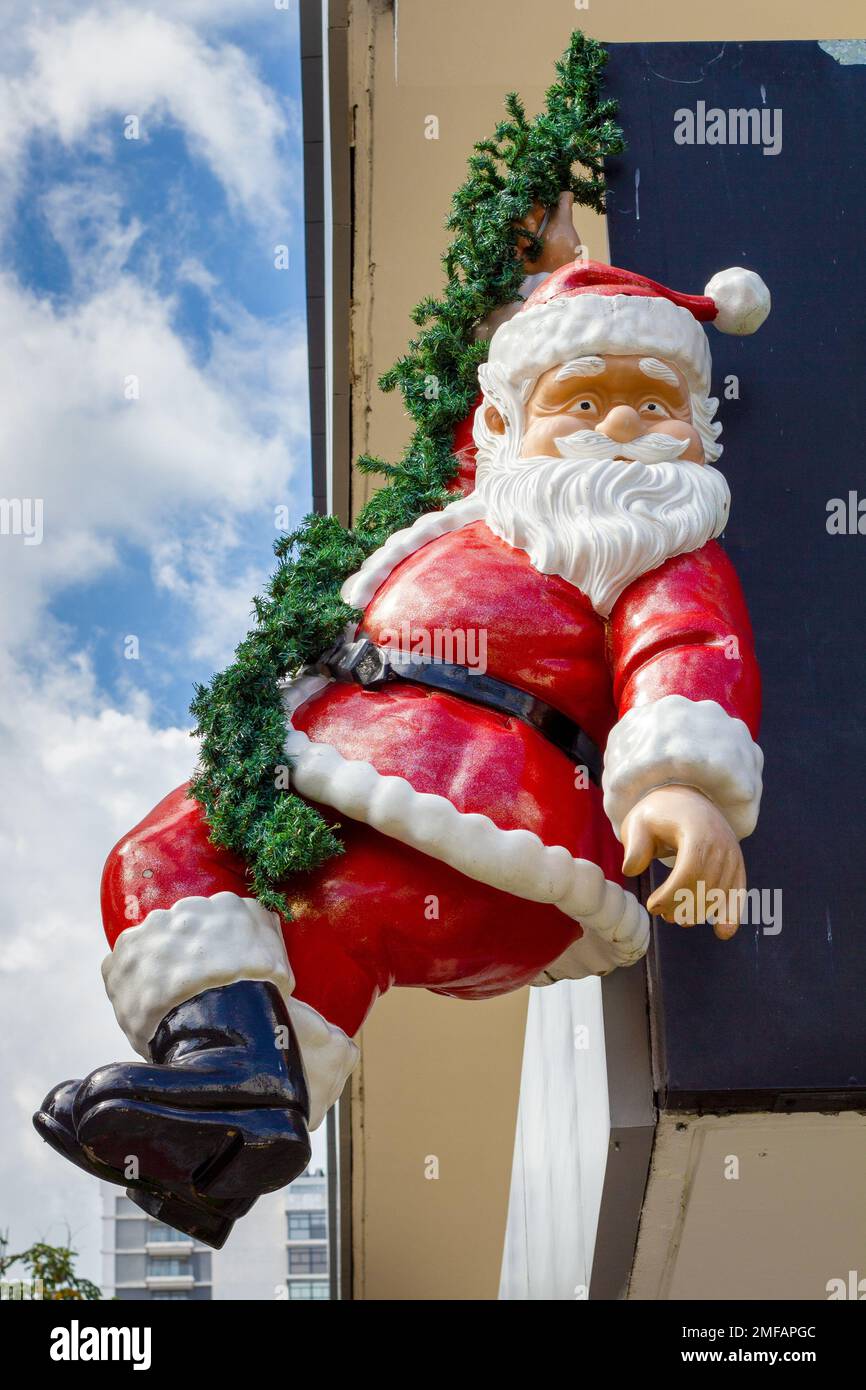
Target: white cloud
<point x="116" y="61"/>
<point x="220" y="608"/>
<point x="86" y="220"/>
<point x="77" y="775"/>
<point x="205" y="16"/>
<point x="199" y="446"/>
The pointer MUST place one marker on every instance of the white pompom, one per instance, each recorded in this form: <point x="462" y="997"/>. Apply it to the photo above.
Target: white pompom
<point x="742" y="299"/>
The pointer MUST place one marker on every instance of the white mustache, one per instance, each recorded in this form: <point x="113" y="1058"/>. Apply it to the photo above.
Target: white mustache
<point x="593" y="446"/>
<point x="600" y="522"/>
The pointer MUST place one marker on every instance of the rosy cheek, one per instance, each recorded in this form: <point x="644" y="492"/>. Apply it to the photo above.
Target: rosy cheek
<point x="678" y="428"/>
<point x="580" y="420"/>
<point x="553" y="426"/>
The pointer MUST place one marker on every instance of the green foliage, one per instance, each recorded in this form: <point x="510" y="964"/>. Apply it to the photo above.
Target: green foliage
<point x="51" y="1267"/>
<point x="239" y="714"/>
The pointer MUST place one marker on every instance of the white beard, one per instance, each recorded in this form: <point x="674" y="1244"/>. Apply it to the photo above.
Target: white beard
<point x="600" y="523"/>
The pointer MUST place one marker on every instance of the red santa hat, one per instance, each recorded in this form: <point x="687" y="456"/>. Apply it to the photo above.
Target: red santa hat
<point x="586" y="308"/>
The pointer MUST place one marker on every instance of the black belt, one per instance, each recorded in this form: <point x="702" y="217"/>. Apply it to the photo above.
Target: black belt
<point x="365" y="664"/>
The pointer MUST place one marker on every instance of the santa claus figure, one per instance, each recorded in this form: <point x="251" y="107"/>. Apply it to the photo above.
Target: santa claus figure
<point x="553" y="683"/>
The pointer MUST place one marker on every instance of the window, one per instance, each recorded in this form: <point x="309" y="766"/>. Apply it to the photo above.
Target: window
<point x="157" y="1230"/>
<point x="169" y="1266"/>
<point x="310" y="1260"/>
<point x="307" y="1225"/>
<point x="169" y="1296"/>
<point x="313" y="1189"/>
<point x="130" y="1235"/>
<point x="308" y="1288"/>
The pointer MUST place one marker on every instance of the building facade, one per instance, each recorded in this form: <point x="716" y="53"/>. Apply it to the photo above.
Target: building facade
<point x="307" y="1237"/>
<point x="279" y="1251"/>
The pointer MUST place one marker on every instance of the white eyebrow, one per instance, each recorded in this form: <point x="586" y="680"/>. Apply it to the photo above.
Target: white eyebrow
<point x="581" y="366"/>
<point x="660" y="371"/>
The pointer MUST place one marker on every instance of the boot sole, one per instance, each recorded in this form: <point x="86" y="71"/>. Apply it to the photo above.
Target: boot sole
<point x="208" y="1223"/>
<point x="220" y="1155"/>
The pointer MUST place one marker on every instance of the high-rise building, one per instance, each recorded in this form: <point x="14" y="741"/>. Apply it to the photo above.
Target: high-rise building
<point x="307" y="1236"/>
<point x="278" y="1251"/>
<point x="145" y="1259"/>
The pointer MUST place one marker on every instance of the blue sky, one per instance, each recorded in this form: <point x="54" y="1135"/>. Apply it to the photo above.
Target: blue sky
<point x="147" y="261"/>
<point x="185" y="215"/>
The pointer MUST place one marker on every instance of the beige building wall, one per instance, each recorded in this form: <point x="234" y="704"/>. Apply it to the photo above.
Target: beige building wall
<point x="757" y="1207"/>
<point x="438" y="1077"/>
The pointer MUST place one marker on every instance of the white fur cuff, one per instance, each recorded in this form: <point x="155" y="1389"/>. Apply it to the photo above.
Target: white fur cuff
<point x="178" y="952"/>
<point x="689" y="742"/>
<point x="200" y="943"/>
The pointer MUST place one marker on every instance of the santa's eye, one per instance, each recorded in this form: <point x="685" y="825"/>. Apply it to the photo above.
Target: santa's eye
<point x="586" y="405"/>
<point x="654" y="408"/>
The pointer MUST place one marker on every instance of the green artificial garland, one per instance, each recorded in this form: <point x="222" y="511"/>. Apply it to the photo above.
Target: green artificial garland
<point x="239" y="715"/>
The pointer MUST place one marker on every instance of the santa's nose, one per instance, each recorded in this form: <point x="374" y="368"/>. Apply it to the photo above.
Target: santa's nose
<point x="622" y="424"/>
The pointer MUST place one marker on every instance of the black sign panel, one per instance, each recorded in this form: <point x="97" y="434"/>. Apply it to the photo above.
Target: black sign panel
<point x="781" y="1008"/>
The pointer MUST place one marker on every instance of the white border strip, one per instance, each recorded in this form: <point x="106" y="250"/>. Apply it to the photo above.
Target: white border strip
<point x="615" y="924"/>
<point x="359" y="588"/>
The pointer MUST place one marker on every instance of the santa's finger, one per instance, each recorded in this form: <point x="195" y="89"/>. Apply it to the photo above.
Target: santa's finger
<point x="677" y="895"/>
<point x="740" y="875"/>
<point x="735" y="889"/>
<point x="723" y="931"/>
<point x="662" y="905"/>
<point x="732" y="880"/>
<point x="698" y="869"/>
<point x="711" y="874"/>
<point x="674" y="900"/>
<point x="723" y="915"/>
<point x="639" y="846"/>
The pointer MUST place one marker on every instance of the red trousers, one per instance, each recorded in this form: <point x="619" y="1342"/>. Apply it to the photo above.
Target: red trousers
<point x="380" y="914"/>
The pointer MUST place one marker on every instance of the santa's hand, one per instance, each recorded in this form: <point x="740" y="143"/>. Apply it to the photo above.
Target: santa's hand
<point x="560" y="239"/>
<point x="682" y="821"/>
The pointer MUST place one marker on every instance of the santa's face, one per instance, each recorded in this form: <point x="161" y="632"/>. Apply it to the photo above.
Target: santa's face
<point x="625" y="398"/>
<point x="606" y="480"/>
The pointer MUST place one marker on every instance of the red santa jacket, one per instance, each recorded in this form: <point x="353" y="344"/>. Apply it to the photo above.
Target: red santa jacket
<point x="667" y="686"/>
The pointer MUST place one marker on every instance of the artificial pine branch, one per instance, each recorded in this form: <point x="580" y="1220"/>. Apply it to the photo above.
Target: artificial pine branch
<point x="239" y="716"/>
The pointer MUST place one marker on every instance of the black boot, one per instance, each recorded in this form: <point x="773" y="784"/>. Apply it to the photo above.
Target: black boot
<point x="217" y="1120"/>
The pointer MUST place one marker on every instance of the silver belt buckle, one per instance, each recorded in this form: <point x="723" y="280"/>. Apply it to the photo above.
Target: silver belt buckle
<point x="360" y="663"/>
